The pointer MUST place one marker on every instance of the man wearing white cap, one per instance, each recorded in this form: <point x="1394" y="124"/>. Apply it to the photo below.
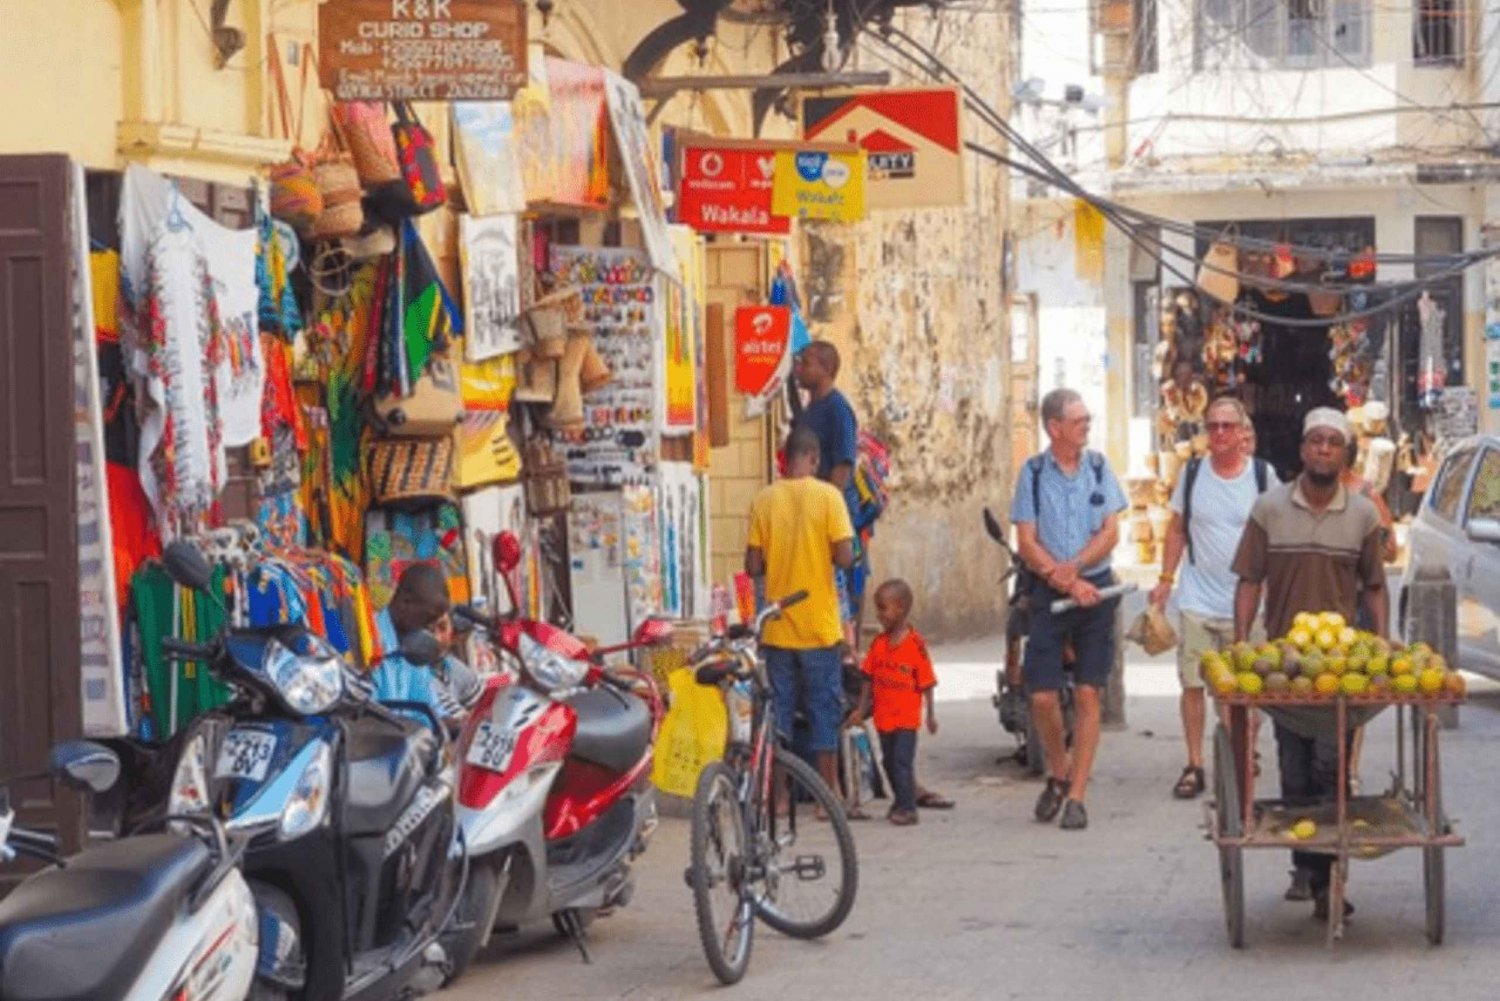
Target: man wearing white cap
<point x="1311" y="545"/>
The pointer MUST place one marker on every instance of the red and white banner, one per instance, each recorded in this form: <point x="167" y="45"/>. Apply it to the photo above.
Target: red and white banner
<point x="725" y="186"/>
<point x="761" y="337"/>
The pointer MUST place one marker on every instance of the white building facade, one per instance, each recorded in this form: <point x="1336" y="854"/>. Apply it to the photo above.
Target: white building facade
<point x="1340" y="123"/>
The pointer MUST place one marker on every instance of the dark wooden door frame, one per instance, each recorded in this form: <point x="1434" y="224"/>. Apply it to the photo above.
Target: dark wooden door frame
<point x="39" y="597"/>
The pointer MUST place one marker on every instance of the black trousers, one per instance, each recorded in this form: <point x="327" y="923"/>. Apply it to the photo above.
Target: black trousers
<point x="1309" y="775"/>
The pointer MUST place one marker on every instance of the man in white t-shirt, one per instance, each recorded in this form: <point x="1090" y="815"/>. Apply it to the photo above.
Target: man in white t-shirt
<point x="1206" y="526"/>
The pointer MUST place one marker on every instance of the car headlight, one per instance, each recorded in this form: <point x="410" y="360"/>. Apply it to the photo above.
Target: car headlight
<point x="308" y="804"/>
<point x="190" y="792"/>
<point x="550" y="669"/>
<point x="309" y="674"/>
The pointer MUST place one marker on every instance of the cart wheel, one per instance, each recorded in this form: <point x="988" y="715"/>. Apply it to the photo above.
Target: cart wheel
<point x="1229" y="821"/>
<point x="1432" y="881"/>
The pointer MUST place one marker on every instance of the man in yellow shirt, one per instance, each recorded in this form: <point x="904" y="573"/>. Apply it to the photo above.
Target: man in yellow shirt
<point x="799" y="530"/>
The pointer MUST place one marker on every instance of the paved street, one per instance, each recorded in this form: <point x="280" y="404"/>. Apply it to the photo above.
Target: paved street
<point x="983" y="902"/>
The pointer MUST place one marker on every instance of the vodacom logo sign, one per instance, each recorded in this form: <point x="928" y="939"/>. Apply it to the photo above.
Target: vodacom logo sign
<point x="711" y="164"/>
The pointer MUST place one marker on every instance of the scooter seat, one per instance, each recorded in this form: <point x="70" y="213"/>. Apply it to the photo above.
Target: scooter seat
<point x="85" y="932"/>
<point x="614" y="729"/>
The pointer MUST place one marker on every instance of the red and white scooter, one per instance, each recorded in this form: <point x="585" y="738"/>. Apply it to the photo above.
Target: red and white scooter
<point x="554" y="789"/>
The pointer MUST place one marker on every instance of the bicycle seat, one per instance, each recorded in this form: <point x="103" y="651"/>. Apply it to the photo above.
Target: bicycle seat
<point x="614" y="729"/>
<point x="85" y="932"/>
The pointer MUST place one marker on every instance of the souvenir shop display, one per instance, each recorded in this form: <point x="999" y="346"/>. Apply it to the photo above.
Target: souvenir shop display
<point x="614" y="442"/>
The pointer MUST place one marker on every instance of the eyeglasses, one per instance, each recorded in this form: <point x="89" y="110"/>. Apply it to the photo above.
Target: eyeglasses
<point x="1215" y="427"/>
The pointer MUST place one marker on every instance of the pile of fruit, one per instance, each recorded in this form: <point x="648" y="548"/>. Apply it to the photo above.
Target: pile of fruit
<point x="1323" y="657"/>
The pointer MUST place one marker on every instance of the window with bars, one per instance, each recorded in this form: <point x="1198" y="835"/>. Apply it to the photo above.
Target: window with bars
<point x="1282" y="34"/>
<point x="1143" y="57"/>
<point x="1437" y="33"/>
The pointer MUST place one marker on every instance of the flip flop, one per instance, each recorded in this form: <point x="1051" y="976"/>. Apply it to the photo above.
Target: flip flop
<point x="856" y="813"/>
<point x="934" y="801"/>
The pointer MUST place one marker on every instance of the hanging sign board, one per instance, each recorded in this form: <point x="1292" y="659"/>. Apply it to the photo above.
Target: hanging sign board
<point x="725" y="186"/>
<point x="912" y="138"/>
<point x="422" y="50"/>
<point x="761" y="335"/>
<point x="820" y="184"/>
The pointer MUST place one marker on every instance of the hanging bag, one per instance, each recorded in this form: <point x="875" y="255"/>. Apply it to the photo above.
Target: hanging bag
<point x="411" y="470"/>
<point x="1325" y="301"/>
<point x="1218" y="275"/>
<point x="338" y="182"/>
<point x="420" y="188"/>
<point x="367" y="130"/>
<point x="295" y="198"/>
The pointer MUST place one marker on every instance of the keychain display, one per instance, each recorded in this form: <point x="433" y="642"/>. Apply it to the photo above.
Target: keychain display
<point x="613" y="444"/>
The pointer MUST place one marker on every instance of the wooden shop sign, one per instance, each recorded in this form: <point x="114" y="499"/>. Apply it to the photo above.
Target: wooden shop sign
<point x="422" y="50"/>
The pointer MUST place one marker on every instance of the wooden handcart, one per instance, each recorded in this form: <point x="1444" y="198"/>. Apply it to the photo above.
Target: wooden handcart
<point x="1409" y="814"/>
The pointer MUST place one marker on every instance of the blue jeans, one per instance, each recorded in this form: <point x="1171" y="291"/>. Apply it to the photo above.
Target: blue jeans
<point x="812" y="679"/>
<point x="898" y="752"/>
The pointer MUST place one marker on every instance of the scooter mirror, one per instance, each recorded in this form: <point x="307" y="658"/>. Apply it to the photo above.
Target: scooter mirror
<point x="653" y="632"/>
<point x="187" y="566"/>
<point x="85" y="766"/>
<point x="421" y="648"/>
<point x="992" y="526"/>
<point x="507" y="552"/>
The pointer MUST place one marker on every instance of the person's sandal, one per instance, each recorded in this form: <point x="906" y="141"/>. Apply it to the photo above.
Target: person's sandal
<point x="1051" y="800"/>
<point x="1075" y="817"/>
<point x="904" y="818"/>
<point x="934" y="801"/>
<point x="1191" y="784"/>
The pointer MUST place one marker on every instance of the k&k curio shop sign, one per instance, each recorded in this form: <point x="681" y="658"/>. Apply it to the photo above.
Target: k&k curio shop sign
<point x="422" y="50"/>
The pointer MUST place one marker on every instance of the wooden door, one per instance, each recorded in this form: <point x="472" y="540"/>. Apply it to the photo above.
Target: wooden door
<point x="39" y="601"/>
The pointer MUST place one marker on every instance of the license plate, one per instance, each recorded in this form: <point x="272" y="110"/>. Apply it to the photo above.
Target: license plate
<point x="493" y="747"/>
<point x="245" y="754"/>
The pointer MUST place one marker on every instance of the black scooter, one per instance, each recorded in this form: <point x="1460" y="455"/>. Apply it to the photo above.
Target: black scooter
<point x="1011" y="700"/>
<point x="360" y="869"/>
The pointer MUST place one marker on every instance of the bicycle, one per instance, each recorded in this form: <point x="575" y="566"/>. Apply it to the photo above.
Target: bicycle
<point x="754" y="847"/>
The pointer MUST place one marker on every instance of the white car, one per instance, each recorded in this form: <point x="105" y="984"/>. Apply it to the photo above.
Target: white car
<point x="1458" y="526"/>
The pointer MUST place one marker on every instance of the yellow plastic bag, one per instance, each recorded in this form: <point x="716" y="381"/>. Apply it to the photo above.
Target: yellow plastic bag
<point x="693" y="734"/>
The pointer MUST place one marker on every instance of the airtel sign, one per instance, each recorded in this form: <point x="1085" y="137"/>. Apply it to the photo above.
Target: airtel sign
<point x="725" y="187"/>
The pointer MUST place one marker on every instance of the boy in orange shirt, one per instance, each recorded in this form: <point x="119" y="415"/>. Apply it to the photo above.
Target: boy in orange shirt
<point x="898" y="674"/>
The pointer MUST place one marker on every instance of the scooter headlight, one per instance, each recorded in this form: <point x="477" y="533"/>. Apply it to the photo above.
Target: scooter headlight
<point x="190" y="793"/>
<point x="308" y="804"/>
<point x="548" y="668"/>
<point x="307" y="672"/>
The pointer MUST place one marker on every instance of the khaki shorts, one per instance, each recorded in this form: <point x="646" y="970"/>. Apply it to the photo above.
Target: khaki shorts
<point x="1199" y="633"/>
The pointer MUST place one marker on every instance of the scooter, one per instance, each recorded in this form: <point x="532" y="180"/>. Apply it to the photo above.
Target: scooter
<point x="355" y="868"/>
<point x="138" y="919"/>
<point x="1011" y="700"/>
<point x="554" y="793"/>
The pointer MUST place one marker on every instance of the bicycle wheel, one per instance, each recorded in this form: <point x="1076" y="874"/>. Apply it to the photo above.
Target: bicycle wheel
<point x="725" y="909"/>
<point x="812" y="871"/>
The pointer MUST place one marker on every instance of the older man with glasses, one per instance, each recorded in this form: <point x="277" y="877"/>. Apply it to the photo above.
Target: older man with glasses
<point x="1209" y="510"/>
<point x="1312" y="545"/>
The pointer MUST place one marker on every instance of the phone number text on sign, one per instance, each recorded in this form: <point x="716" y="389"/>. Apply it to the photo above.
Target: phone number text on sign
<point x="422" y="50"/>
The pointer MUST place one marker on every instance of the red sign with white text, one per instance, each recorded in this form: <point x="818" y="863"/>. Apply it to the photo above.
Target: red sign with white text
<point x="761" y="336"/>
<point x="725" y="187"/>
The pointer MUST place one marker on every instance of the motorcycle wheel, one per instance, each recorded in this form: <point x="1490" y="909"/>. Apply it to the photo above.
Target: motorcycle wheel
<point x="475" y="918"/>
<point x="265" y="992"/>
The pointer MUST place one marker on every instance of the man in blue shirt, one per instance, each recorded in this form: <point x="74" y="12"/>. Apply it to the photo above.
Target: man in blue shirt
<point x="829" y="416"/>
<point x="1066" y="511"/>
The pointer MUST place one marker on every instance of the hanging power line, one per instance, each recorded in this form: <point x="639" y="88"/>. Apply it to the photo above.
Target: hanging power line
<point x="1129" y="220"/>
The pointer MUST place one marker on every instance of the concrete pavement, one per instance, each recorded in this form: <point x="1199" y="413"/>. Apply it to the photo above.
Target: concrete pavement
<point x="982" y="902"/>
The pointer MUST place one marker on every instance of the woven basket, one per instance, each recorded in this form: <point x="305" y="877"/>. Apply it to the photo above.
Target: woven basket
<point x="411" y="470"/>
<point x="343" y="215"/>
<point x="365" y="129"/>
<point x="545" y="478"/>
<point x="295" y="198"/>
<point x="549" y="318"/>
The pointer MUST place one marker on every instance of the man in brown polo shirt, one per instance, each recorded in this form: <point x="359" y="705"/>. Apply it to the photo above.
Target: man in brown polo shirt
<point x="1311" y="545"/>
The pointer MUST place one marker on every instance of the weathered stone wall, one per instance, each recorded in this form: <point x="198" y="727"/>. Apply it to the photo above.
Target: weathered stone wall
<point x="917" y="303"/>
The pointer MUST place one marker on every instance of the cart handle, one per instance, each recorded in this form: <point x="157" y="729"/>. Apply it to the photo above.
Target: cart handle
<point x="1105" y="593"/>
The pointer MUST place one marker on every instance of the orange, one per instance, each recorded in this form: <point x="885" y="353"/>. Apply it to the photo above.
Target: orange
<point x="1250" y="683"/>
<point x="1431" y="680"/>
<point x="1326" y="684"/>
